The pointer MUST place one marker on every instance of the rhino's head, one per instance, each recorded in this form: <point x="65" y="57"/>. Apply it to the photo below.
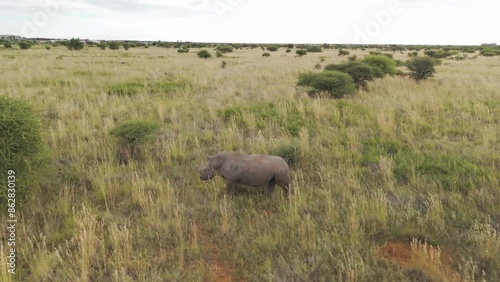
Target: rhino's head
<point x="207" y="172"/>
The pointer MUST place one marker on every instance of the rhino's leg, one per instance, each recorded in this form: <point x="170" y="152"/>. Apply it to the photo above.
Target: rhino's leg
<point x="231" y="187"/>
<point x="270" y="187"/>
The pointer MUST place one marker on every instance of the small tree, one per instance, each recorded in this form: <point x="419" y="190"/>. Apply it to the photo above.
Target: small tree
<point x="272" y="48"/>
<point x="102" y="46"/>
<point x="314" y="49"/>
<point x="301" y="52"/>
<point x="219" y="54"/>
<point x="421" y="68"/>
<point x="384" y="63"/>
<point x="74" y="44"/>
<point x="113" y="45"/>
<point x="343" y="52"/>
<point x="131" y="135"/>
<point x="24" y="45"/>
<point x="21" y="142"/>
<point x="360" y="72"/>
<point x="266" y="54"/>
<point x="204" y="54"/>
<point x="7" y="44"/>
<point x="337" y="84"/>
<point x="225" y="48"/>
<point x="126" y="46"/>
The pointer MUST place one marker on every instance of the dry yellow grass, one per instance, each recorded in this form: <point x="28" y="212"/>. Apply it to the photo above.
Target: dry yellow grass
<point x="403" y="160"/>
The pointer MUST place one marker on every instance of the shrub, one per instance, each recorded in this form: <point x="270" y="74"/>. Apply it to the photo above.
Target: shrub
<point x="204" y="54"/>
<point x="74" y="44"/>
<point x="225" y="49"/>
<point x="21" y="143"/>
<point x="290" y="152"/>
<point x="290" y="46"/>
<point x="183" y="50"/>
<point x="360" y="72"/>
<point x="288" y="51"/>
<point x="343" y="52"/>
<point x="301" y="52"/>
<point x="352" y="58"/>
<point x="317" y="66"/>
<point x="489" y="52"/>
<point x="219" y="54"/>
<point x="266" y="54"/>
<point x="314" y="49"/>
<point x="420" y="68"/>
<point x="24" y="45"/>
<point x="113" y="45"/>
<point x="126" y="46"/>
<point x="47" y="47"/>
<point x="132" y="134"/>
<point x="7" y="44"/>
<point x="102" y="46"/>
<point x="223" y="64"/>
<point x="335" y="83"/>
<point x="272" y="48"/>
<point x="384" y="63"/>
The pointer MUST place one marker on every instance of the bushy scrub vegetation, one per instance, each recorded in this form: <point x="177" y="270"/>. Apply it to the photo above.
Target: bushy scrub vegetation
<point x="301" y="52"/>
<point x="314" y="49"/>
<point x="272" y="48"/>
<point x="74" y="44"/>
<point x="225" y="49"/>
<point x="7" y="44"/>
<point x="24" y="45"/>
<point x="421" y="68"/>
<point x="343" y="52"/>
<point x="382" y="62"/>
<point x="404" y="169"/>
<point x="131" y="135"/>
<point x="21" y="144"/>
<point x="266" y="54"/>
<point x="204" y="54"/>
<point x="337" y="84"/>
<point x="360" y="72"/>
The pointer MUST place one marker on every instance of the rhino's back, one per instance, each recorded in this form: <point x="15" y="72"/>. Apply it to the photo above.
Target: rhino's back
<point x="253" y="169"/>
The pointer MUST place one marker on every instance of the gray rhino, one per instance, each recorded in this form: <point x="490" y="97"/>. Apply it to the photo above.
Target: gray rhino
<point x="250" y="170"/>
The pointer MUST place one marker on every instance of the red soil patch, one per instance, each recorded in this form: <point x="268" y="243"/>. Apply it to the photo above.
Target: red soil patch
<point x="433" y="262"/>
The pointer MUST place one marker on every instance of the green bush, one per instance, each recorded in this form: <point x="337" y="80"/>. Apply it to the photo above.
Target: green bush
<point x="102" y="46"/>
<point x="384" y="63"/>
<point x="132" y="134"/>
<point x="24" y="45"/>
<point x="360" y="72"/>
<point x="337" y="84"/>
<point x="291" y="152"/>
<point x="126" y="46"/>
<point x="47" y="47"/>
<point x="225" y="48"/>
<point x="74" y="44"/>
<point x="113" y="45"/>
<point x="288" y="51"/>
<point x="266" y="54"/>
<point x="272" y="48"/>
<point x="343" y="52"/>
<point x="204" y="54"/>
<point x="21" y="143"/>
<point x="489" y="52"/>
<point x="219" y="54"/>
<point x="421" y="68"/>
<point x="301" y="52"/>
<point x="7" y="44"/>
<point x="183" y="50"/>
<point x="314" y="49"/>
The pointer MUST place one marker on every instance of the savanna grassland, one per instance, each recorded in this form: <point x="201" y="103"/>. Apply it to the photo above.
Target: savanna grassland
<point x="400" y="183"/>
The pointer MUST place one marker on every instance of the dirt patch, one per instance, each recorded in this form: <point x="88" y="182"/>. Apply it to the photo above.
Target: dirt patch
<point x="219" y="270"/>
<point x="434" y="262"/>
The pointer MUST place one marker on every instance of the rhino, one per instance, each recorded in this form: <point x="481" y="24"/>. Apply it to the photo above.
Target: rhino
<point x="250" y="170"/>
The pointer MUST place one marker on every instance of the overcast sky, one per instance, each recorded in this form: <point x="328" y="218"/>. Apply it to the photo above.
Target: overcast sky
<point x="257" y="21"/>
